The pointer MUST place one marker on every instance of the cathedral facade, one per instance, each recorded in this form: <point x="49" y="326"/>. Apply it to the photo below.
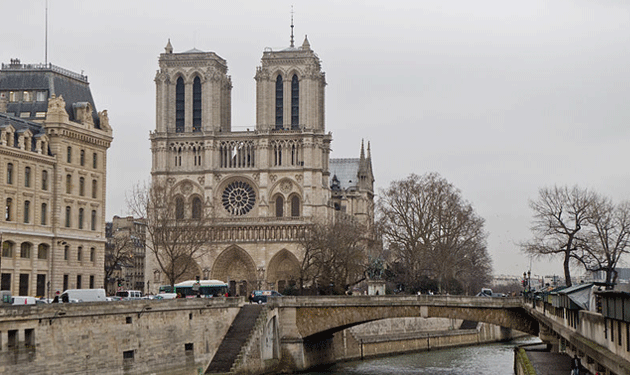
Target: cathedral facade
<point x="264" y="186"/>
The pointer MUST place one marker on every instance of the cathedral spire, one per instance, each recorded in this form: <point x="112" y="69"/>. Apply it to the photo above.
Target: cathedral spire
<point x="169" y="47"/>
<point x="292" y="45"/>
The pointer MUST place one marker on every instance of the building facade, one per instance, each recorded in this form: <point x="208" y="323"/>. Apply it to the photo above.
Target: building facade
<point x="125" y="254"/>
<point x="53" y="161"/>
<point x="264" y="186"/>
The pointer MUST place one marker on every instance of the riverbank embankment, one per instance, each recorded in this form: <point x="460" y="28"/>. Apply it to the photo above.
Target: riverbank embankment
<point x="404" y="335"/>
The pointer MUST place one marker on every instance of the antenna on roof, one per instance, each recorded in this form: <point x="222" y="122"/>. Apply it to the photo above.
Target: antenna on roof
<point x="46" y="37"/>
<point x="292" y="26"/>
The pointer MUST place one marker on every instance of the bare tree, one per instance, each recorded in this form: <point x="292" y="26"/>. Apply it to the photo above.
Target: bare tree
<point x="118" y="253"/>
<point x="433" y="235"/>
<point x="177" y="229"/>
<point x="334" y="256"/>
<point x="560" y="215"/>
<point x="608" y="238"/>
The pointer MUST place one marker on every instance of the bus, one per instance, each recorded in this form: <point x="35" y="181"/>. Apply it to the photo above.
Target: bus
<point x="207" y="288"/>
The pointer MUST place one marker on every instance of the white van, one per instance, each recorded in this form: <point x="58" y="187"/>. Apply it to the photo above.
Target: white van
<point x="23" y="300"/>
<point x="129" y="294"/>
<point x="83" y="295"/>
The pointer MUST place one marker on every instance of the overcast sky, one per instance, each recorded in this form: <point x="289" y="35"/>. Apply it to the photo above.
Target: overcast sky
<point x="500" y="98"/>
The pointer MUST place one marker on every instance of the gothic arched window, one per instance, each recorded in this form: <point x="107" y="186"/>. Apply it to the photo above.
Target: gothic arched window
<point x="179" y="105"/>
<point x="197" y="105"/>
<point x="179" y="208"/>
<point x="279" y="206"/>
<point x="295" y="206"/>
<point x="279" y="102"/>
<point x="196" y="208"/>
<point x="295" y="102"/>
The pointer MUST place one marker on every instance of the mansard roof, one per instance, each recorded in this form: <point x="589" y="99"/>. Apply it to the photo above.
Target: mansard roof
<point x="21" y="124"/>
<point x="53" y="80"/>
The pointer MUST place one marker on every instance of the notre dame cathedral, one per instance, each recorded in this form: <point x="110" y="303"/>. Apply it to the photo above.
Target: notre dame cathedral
<point x="265" y="185"/>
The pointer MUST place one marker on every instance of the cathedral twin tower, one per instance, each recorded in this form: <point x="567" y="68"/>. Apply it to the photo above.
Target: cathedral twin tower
<point x="264" y="186"/>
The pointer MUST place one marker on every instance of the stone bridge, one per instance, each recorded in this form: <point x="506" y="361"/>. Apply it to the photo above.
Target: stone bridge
<point x="305" y="325"/>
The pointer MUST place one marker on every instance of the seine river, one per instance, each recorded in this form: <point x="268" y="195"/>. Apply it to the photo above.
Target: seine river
<point x="495" y="359"/>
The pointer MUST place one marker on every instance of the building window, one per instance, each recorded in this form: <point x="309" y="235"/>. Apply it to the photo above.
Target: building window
<point x="44" y="213"/>
<point x="94" y="188"/>
<point x="295" y="102"/>
<point x="81" y="218"/>
<point x="82" y="158"/>
<point x="27" y="211"/>
<point x="42" y="251"/>
<point x="25" y="114"/>
<point x="179" y="105"/>
<point x="91" y="281"/>
<point x="79" y="253"/>
<point x="40" y="114"/>
<point x="10" y="173"/>
<point x="279" y="206"/>
<point x="66" y="252"/>
<point x="13" y="96"/>
<point x="44" y="180"/>
<point x="93" y="219"/>
<point x="69" y="156"/>
<point x="27" y="97"/>
<point x="41" y="96"/>
<point x="197" y="105"/>
<point x="8" y="210"/>
<point x="279" y="102"/>
<point x="7" y="249"/>
<point x="65" y="282"/>
<point x="179" y="208"/>
<point x="68" y="184"/>
<point x="27" y="177"/>
<point x="94" y="160"/>
<point x="92" y="254"/>
<point x="25" y="250"/>
<point x="78" y="281"/>
<point x="81" y="186"/>
<point x="68" y="212"/>
<point x="196" y="208"/>
<point x="295" y="206"/>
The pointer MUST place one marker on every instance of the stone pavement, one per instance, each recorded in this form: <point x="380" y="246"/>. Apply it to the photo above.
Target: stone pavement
<point x="546" y="363"/>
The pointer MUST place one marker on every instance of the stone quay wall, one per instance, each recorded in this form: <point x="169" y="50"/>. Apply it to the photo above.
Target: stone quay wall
<point x="403" y="335"/>
<point x="132" y="337"/>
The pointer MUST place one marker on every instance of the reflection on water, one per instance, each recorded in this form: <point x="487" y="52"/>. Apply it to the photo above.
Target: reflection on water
<point x="495" y="359"/>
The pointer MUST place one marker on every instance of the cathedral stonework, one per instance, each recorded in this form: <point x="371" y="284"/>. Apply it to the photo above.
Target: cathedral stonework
<point x="263" y="187"/>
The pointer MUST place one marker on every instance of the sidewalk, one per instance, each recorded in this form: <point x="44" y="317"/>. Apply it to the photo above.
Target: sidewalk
<point x="546" y="363"/>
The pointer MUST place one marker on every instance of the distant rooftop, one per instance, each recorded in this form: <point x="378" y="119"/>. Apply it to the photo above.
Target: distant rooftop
<point x="15" y="64"/>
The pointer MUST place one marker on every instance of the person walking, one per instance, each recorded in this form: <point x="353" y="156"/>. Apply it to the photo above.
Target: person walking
<point x="575" y="365"/>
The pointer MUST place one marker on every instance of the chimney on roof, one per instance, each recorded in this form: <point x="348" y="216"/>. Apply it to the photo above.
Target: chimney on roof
<point x="3" y="103"/>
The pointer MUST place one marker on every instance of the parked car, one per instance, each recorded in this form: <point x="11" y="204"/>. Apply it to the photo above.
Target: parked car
<point x="260" y="296"/>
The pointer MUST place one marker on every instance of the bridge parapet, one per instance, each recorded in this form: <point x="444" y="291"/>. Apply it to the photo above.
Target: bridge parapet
<point x="422" y="300"/>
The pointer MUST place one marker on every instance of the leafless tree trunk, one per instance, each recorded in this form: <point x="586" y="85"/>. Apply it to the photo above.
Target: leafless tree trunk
<point x="175" y="236"/>
<point x="334" y="256"/>
<point x="432" y="232"/>
<point x="560" y="214"/>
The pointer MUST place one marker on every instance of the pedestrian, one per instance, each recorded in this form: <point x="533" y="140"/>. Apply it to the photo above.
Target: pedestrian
<point x="575" y="365"/>
<point x="56" y="299"/>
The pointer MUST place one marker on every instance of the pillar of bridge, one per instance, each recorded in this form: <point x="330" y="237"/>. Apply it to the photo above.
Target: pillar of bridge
<point x="549" y="338"/>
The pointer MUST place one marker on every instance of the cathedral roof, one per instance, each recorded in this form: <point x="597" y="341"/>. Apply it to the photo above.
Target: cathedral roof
<point x="194" y="50"/>
<point x="346" y="171"/>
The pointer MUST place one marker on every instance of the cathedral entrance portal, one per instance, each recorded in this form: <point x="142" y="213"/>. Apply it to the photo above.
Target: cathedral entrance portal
<point x="237" y="268"/>
<point x="284" y="271"/>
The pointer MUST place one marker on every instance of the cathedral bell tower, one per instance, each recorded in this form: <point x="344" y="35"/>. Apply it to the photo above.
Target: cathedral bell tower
<point x="290" y="90"/>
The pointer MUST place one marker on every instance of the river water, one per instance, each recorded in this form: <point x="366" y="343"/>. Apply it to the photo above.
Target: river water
<point x="489" y="359"/>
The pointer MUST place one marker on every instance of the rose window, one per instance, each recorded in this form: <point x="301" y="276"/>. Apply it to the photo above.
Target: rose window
<point x="238" y="198"/>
